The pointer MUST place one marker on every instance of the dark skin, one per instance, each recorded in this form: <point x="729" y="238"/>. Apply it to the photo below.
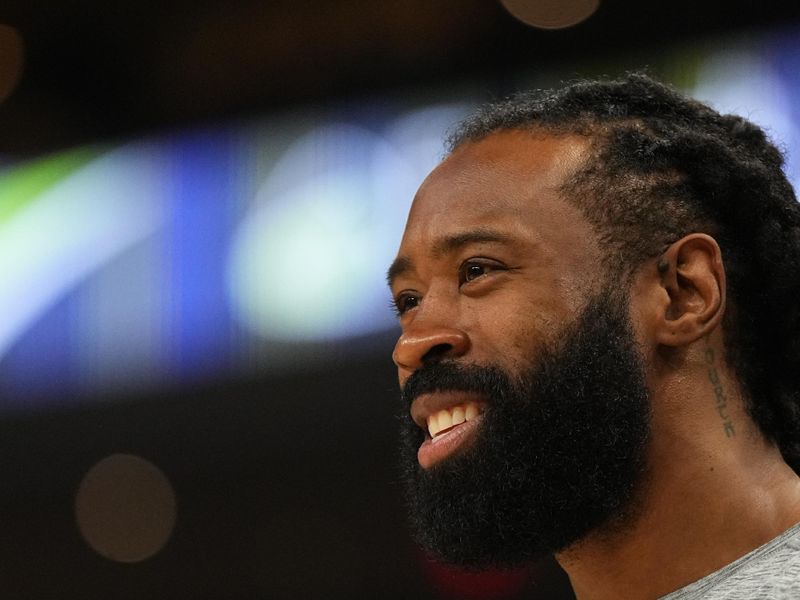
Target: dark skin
<point x="494" y="260"/>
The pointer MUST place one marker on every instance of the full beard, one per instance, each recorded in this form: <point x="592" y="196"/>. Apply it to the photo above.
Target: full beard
<point x="559" y="453"/>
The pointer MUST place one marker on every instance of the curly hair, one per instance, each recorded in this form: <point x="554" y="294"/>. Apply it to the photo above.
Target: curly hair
<point x="662" y="166"/>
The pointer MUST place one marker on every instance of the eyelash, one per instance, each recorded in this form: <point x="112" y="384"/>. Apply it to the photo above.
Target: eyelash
<point x="400" y="307"/>
<point x="397" y="304"/>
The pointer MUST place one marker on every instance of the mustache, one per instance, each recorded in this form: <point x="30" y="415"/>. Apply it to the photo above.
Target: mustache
<point x="444" y="376"/>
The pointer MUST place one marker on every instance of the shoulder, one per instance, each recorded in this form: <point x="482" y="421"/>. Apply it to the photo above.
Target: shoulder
<point x="771" y="572"/>
<point x="786" y="567"/>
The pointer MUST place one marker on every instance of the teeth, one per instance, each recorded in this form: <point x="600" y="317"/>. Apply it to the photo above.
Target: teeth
<point x="445" y="420"/>
<point x="449" y="417"/>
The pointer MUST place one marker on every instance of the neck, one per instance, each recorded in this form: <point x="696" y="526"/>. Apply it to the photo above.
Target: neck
<point x="707" y="500"/>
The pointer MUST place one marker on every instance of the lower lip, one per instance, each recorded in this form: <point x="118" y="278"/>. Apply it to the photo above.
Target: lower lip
<point x="435" y="450"/>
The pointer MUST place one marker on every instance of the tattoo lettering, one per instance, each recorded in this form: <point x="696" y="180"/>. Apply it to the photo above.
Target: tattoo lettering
<point x="719" y="393"/>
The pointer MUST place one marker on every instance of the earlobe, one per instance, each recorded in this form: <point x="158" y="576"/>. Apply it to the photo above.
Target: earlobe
<point x="692" y="274"/>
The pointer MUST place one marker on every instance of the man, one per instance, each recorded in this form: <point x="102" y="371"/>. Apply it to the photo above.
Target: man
<point x="598" y="292"/>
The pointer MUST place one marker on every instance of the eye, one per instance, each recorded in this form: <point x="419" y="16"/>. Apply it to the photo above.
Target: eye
<point x="471" y="270"/>
<point x="405" y="302"/>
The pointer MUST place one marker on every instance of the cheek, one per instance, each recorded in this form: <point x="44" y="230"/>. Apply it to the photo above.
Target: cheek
<point x="509" y="328"/>
<point x="511" y="339"/>
<point x="529" y="337"/>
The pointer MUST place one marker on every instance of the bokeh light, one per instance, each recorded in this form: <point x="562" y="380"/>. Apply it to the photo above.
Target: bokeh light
<point x="12" y="60"/>
<point x="125" y="508"/>
<point x="306" y="262"/>
<point x="551" y="14"/>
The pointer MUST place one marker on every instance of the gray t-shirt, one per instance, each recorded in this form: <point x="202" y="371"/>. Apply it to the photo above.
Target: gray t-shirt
<point x="771" y="572"/>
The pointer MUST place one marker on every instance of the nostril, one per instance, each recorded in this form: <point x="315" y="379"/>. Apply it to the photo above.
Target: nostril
<point x="438" y="352"/>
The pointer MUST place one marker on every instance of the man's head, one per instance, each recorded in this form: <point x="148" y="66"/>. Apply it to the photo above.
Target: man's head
<point x="519" y="283"/>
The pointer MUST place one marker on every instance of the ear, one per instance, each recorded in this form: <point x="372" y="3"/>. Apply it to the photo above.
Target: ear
<point x="692" y="276"/>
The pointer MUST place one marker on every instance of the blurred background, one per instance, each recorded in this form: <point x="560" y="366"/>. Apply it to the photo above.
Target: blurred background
<point x="198" y="202"/>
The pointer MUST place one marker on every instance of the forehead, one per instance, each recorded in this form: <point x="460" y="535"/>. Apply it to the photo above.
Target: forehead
<point x="510" y="181"/>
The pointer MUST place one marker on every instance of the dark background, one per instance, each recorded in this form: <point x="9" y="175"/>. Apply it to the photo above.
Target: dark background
<point x="281" y="493"/>
<point x="97" y="69"/>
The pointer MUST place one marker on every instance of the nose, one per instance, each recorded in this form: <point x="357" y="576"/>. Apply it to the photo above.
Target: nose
<point x="421" y="344"/>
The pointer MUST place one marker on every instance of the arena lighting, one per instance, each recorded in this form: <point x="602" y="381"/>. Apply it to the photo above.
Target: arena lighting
<point x="308" y="260"/>
<point x="324" y="226"/>
<point x="52" y="238"/>
<point x="160" y="260"/>
<point x="551" y="14"/>
<point x="11" y="60"/>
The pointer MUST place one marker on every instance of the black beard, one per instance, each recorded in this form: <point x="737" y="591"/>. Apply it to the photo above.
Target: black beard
<point x="558" y="456"/>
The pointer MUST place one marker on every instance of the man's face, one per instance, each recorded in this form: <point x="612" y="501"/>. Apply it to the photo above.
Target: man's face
<point x="528" y="406"/>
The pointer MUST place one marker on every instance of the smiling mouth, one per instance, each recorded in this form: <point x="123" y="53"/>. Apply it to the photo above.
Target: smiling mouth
<point x="451" y="421"/>
<point x="445" y="420"/>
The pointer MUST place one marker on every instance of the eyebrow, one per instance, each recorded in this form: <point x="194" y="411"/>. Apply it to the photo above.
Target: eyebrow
<point x="447" y="245"/>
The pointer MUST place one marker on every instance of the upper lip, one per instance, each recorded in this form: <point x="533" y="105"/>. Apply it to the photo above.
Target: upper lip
<point x="430" y="403"/>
